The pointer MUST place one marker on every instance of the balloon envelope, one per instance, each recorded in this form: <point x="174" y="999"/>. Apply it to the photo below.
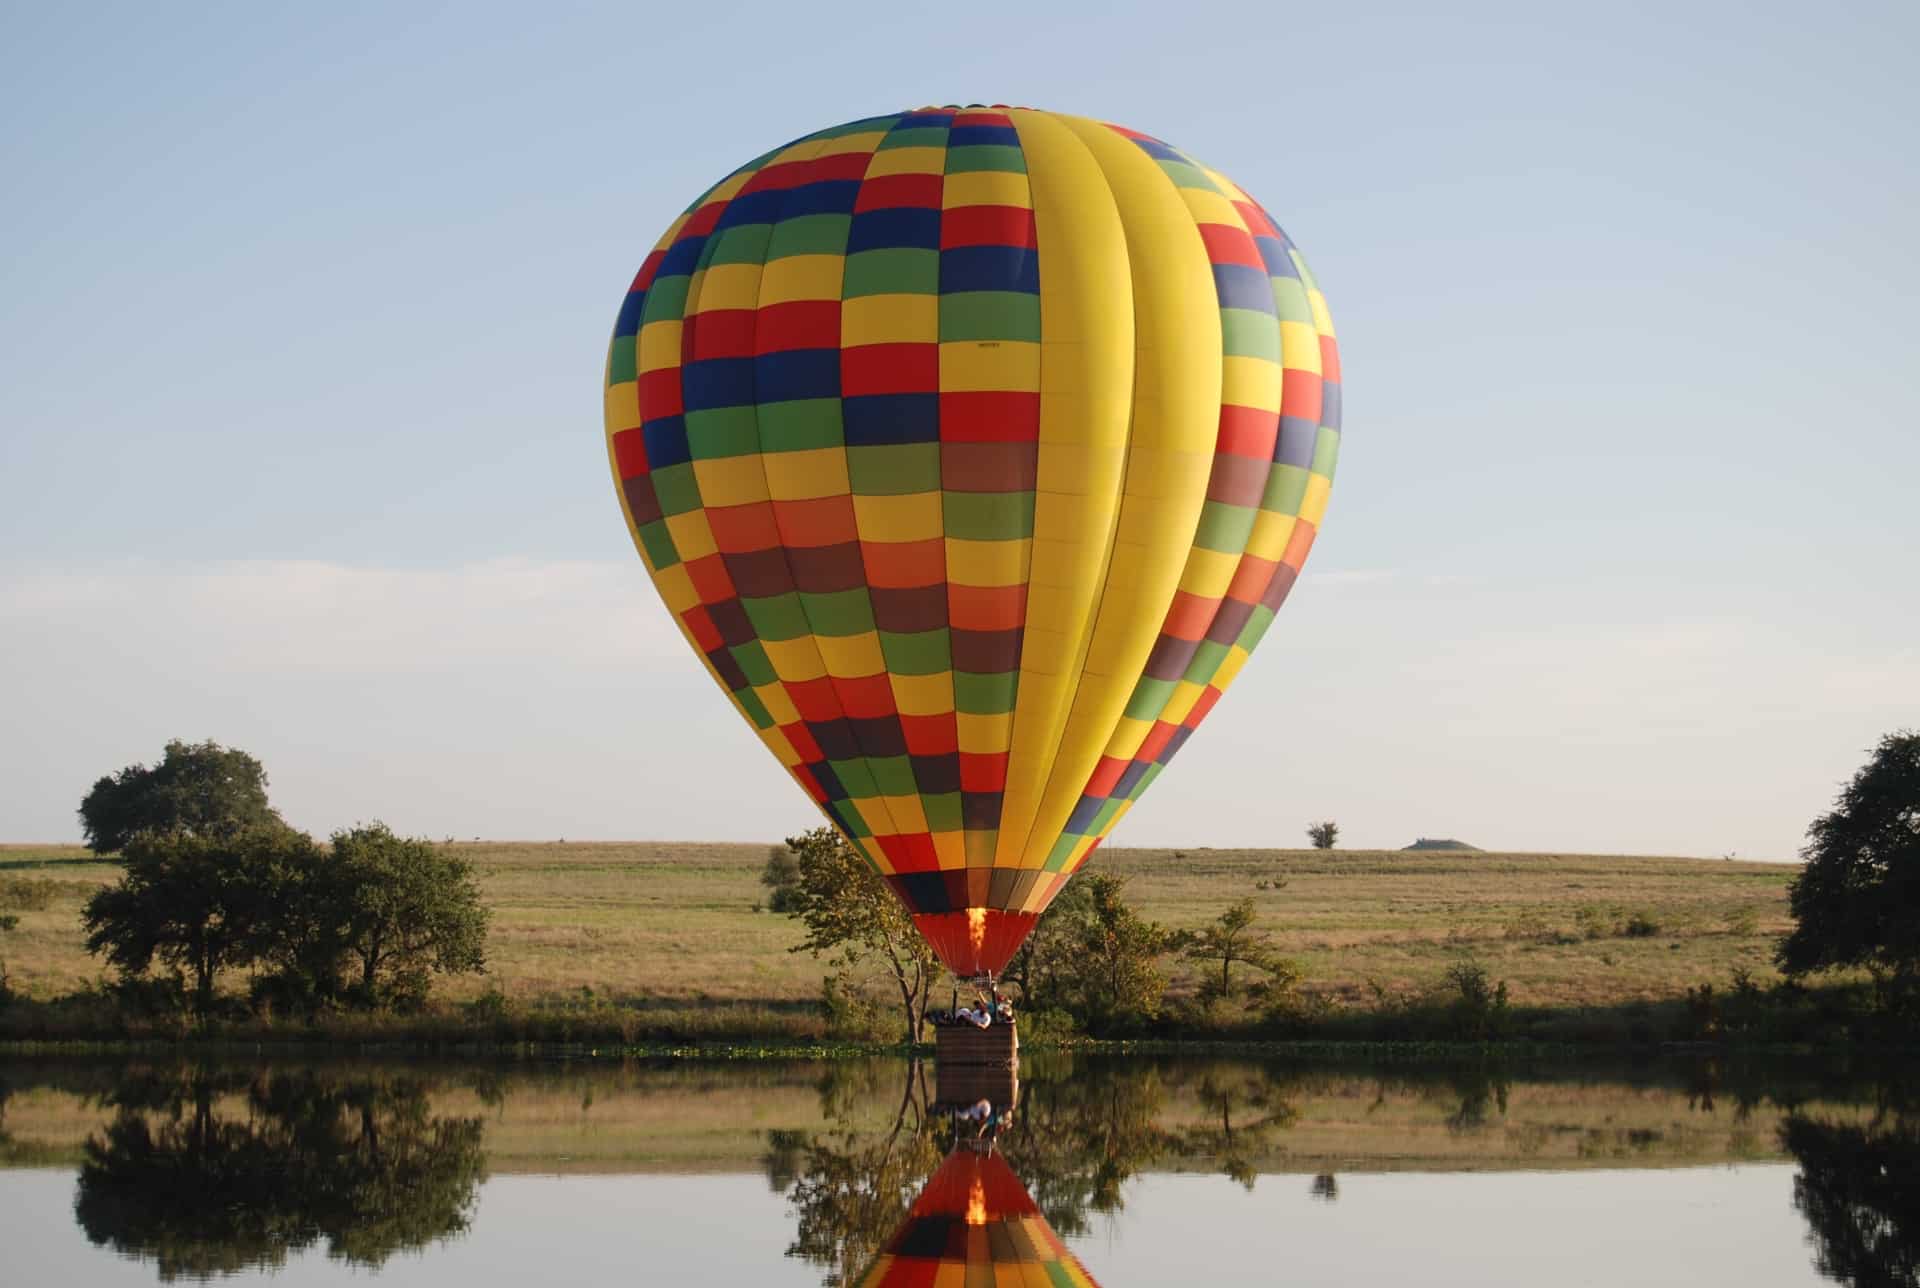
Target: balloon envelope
<point x="973" y="450"/>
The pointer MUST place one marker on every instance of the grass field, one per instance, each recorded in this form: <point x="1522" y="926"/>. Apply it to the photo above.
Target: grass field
<point x="679" y="925"/>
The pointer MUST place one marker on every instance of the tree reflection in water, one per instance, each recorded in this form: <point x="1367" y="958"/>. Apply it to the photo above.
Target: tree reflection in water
<point x="207" y="1171"/>
<point x="1069" y="1148"/>
<point x="210" y="1173"/>
<point x="849" y="1189"/>
<point x="1859" y="1189"/>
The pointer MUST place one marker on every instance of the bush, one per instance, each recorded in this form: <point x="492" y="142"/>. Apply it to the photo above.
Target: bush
<point x="852" y="1015"/>
<point x="782" y="877"/>
<point x="1479" y="1008"/>
<point x="1293" y="1011"/>
<point x="6" y="983"/>
<point x="280" y="992"/>
<point x="490" y="1007"/>
<point x="1639" y="925"/>
<point x="1050" y="1027"/>
<point x="1703" y="1014"/>
<point x="27" y="894"/>
<point x="1533" y="928"/>
<point x="150" y="996"/>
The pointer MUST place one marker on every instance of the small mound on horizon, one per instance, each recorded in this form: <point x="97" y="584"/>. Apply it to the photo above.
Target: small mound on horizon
<point x="1441" y="843"/>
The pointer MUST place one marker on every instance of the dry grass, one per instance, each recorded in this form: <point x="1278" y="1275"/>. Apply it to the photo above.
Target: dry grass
<point x="1549" y="924"/>
<point x="677" y="923"/>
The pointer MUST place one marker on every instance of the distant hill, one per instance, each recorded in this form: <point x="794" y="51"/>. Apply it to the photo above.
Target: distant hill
<point x="1441" y="843"/>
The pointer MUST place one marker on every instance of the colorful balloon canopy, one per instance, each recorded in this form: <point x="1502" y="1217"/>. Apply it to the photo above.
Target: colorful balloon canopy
<point x="973" y="449"/>
<point x="975" y="1223"/>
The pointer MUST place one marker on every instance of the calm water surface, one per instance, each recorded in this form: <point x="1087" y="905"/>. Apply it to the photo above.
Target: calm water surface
<point x="1111" y="1172"/>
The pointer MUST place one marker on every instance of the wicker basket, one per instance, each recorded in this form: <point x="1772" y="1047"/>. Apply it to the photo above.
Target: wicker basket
<point x="995" y="1047"/>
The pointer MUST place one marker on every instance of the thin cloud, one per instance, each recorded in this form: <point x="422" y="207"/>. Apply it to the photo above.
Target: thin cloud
<point x="267" y="615"/>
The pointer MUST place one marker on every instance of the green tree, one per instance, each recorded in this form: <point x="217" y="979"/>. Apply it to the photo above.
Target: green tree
<point x="1323" y="834"/>
<point x="851" y="914"/>
<point x="1116" y="981"/>
<point x="194" y="901"/>
<point x="200" y="788"/>
<point x="301" y="935"/>
<point x="1232" y="939"/>
<point x="406" y="908"/>
<point x="1857" y="900"/>
<point x="1044" y="968"/>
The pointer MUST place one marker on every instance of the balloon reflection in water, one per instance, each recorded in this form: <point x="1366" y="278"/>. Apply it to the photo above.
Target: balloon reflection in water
<point x="975" y="1223"/>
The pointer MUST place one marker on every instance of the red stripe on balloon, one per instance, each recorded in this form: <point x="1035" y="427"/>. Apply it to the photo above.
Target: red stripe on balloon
<point x="989" y="417"/>
<point x="890" y="191"/>
<point x="797" y="324"/>
<point x="630" y="453"/>
<point x="889" y="369"/>
<point x="986" y="226"/>
<point x="982" y="771"/>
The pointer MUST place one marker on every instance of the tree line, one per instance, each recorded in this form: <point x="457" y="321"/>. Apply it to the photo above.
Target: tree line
<point x="215" y="880"/>
<point x="1091" y="964"/>
<point x="1095" y="965"/>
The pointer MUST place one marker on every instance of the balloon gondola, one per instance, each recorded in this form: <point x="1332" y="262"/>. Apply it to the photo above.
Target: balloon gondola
<point x="973" y="450"/>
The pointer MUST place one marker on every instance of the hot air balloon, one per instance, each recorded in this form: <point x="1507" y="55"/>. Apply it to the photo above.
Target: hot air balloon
<point x="973" y="450"/>
<point x="974" y="1222"/>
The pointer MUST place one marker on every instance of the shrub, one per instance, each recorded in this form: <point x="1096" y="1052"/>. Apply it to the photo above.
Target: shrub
<point x="1640" y="925"/>
<point x="851" y="1014"/>
<point x="1533" y="928"/>
<point x="1703" y="1014"/>
<point x="1049" y="1028"/>
<point x="782" y="877"/>
<point x="1479" y="1008"/>
<point x="27" y="894"/>
<point x="150" y="996"/>
<point x="491" y="1007"/>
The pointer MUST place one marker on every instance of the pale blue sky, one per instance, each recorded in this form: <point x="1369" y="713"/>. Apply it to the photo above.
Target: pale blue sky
<point x="304" y="314"/>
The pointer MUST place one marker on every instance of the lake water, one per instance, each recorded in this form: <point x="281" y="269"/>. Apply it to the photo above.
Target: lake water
<point x="1091" y="1171"/>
